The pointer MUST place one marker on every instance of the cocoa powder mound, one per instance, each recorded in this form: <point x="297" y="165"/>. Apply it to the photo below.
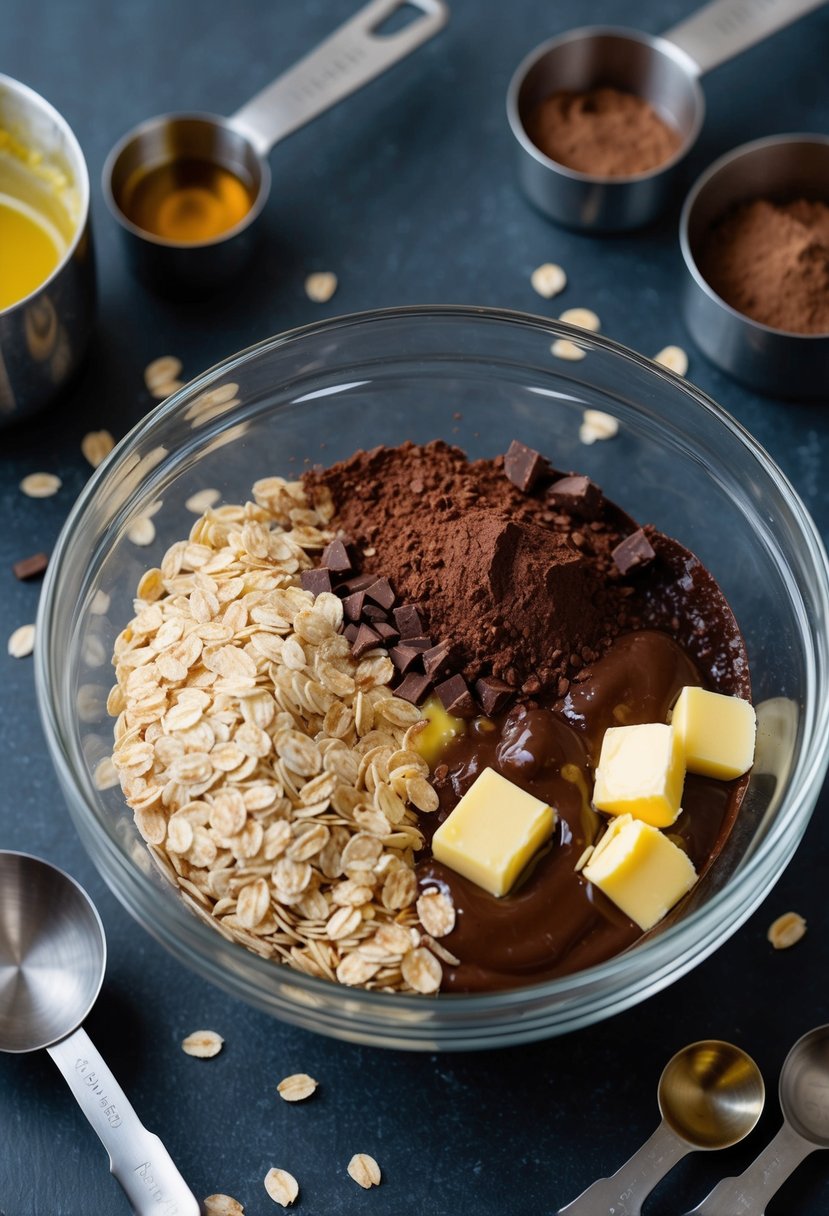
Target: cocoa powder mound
<point x="771" y="262"/>
<point x="605" y="132"/>
<point x="524" y="592"/>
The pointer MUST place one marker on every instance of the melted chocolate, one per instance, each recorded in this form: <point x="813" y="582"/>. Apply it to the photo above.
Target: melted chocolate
<point x="554" y="922"/>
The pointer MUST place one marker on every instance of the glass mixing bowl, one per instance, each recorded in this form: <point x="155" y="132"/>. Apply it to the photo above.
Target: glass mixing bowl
<point x="479" y="378"/>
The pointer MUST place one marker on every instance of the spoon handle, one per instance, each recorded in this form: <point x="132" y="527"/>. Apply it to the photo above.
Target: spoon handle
<point x="748" y="1194"/>
<point x="137" y="1158"/>
<point x="725" y="28"/>
<point x="626" y="1190"/>
<point x="351" y="57"/>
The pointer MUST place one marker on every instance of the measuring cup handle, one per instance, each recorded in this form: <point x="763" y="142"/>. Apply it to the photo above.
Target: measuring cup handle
<point x="352" y="56"/>
<point x="724" y="28"/>
<point x="137" y="1158"/>
<point x="748" y="1194"/>
<point x="630" y="1186"/>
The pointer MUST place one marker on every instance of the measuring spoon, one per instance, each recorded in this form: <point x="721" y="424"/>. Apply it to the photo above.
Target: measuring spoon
<point x="804" y="1099"/>
<point x="710" y="1096"/>
<point x="664" y="70"/>
<point x="351" y="57"/>
<point x="52" y="963"/>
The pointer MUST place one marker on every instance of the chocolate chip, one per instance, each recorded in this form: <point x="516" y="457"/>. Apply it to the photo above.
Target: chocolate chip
<point x="335" y="557"/>
<point x="381" y="592"/>
<point x="456" y="698"/>
<point x="357" y="582"/>
<point x="524" y="466"/>
<point x="493" y="694"/>
<point x="387" y="632"/>
<point x="407" y="619"/>
<point x="404" y="657"/>
<point x="316" y="581"/>
<point x="353" y="605"/>
<point x="633" y="552"/>
<point x="30" y="567"/>
<point x="413" y="687"/>
<point x="438" y="659"/>
<point x="366" y="639"/>
<point x="577" y="494"/>
<point x="350" y="632"/>
<point x="373" y="612"/>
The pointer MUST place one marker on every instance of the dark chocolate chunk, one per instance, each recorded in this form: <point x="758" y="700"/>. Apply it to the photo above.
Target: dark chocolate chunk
<point x="407" y="619"/>
<point x="381" y="592"/>
<point x="351" y="631"/>
<point x="633" y="552"/>
<point x="30" y="567"/>
<point x="524" y="466"/>
<point x="576" y="493"/>
<point x="413" y="687"/>
<point x="437" y="660"/>
<point x="335" y="557"/>
<point x="456" y="697"/>
<point x="424" y="643"/>
<point x="493" y="694"/>
<point x="357" y="582"/>
<point x="387" y="632"/>
<point x="366" y="639"/>
<point x="404" y="657"/>
<point x="316" y="581"/>
<point x="373" y="612"/>
<point x="353" y="605"/>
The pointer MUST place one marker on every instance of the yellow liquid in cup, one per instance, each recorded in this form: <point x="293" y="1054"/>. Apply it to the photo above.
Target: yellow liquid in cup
<point x="188" y="201"/>
<point x="30" y="249"/>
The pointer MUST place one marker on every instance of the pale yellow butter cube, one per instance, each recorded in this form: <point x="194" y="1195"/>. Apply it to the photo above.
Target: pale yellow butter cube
<point x="640" y="869"/>
<point x="641" y="772"/>
<point x="441" y="729"/>
<point x="493" y="832"/>
<point x="717" y="733"/>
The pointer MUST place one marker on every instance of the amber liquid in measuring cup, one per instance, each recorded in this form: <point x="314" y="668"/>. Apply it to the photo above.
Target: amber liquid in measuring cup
<point x="187" y="201"/>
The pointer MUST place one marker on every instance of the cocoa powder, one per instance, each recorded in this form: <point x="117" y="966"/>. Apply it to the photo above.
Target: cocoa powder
<point x="604" y="132"/>
<point x="771" y="261"/>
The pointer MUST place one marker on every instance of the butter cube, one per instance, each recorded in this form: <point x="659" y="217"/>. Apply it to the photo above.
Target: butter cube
<point x="641" y="772"/>
<point x="716" y="732"/>
<point x="441" y="729"/>
<point x="640" y="869"/>
<point x="493" y="832"/>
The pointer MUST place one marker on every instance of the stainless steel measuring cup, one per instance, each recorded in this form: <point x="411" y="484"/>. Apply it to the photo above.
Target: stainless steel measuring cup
<point x="352" y="56"/>
<point x="664" y="70"/>
<point x="52" y="963"/>
<point x="711" y="1095"/>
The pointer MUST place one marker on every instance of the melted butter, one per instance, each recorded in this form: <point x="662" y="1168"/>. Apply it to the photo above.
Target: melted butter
<point x="187" y="201"/>
<point x="30" y="249"/>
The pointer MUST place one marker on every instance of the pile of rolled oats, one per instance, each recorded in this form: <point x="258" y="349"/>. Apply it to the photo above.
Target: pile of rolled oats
<point x="270" y="773"/>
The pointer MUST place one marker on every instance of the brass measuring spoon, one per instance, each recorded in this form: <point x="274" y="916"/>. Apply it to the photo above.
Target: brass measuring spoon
<point x="804" y="1100"/>
<point x="52" y="963"/>
<point x="710" y="1096"/>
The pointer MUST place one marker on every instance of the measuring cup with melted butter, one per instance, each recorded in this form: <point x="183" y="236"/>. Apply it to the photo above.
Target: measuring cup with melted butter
<point x="187" y="188"/>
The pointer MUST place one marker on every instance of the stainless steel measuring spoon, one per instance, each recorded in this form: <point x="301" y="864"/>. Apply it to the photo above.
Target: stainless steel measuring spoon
<point x="52" y="962"/>
<point x="710" y="1095"/>
<point x="664" y="70"/>
<point x="352" y="56"/>
<point x="804" y="1100"/>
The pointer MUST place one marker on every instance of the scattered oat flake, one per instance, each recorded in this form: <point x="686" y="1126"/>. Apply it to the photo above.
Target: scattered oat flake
<point x="105" y="775"/>
<point x="364" y="1170"/>
<point x="96" y="446"/>
<point x="674" y="358"/>
<point x="583" y="318"/>
<point x="320" y="286"/>
<point x="161" y="371"/>
<point x="786" y="930"/>
<point x="99" y="604"/>
<point x="548" y="280"/>
<point x="202" y="1043"/>
<point x="202" y="501"/>
<point x="282" y="1187"/>
<point x="436" y="912"/>
<point x="222" y="1205"/>
<point x="141" y="531"/>
<point x="597" y="425"/>
<point x="41" y="485"/>
<point x="166" y="389"/>
<point x="297" y="1087"/>
<point x="563" y="348"/>
<point x="22" y="642"/>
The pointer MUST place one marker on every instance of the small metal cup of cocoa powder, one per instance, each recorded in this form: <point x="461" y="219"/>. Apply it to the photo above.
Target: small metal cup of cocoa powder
<point x="754" y="234"/>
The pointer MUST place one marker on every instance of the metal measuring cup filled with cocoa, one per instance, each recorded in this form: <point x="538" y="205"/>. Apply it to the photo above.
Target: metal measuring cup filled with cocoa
<point x="604" y="117"/>
<point x="187" y="188"/>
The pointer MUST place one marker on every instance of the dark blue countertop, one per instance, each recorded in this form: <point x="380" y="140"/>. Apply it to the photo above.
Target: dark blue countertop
<point x="407" y="192"/>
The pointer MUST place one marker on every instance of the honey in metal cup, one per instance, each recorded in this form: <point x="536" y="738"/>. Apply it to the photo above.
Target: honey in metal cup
<point x="47" y="303"/>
